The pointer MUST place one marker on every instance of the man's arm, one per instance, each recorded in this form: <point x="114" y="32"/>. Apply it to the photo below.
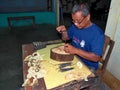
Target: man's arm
<point x="62" y="29"/>
<point x="87" y="55"/>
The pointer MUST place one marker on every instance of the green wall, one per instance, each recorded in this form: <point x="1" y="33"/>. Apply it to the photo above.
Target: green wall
<point x="40" y="17"/>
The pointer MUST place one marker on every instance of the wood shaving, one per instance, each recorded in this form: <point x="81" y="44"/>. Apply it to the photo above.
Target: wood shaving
<point x="79" y="64"/>
<point x="74" y="75"/>
<point x="36" y="70"/>
<point x="59" y="50"/>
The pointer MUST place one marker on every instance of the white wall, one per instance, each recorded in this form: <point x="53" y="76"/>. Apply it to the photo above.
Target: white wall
<point x="113" y="30"/>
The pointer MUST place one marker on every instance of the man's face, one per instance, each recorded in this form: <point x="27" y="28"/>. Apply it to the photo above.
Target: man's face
<point x="79" y="20"/>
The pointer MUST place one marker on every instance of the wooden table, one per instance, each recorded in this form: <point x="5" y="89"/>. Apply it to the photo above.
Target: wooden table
<point x="28" y="49"/>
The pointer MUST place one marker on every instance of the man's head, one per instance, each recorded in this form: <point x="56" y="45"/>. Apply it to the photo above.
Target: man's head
<point x="81" y="15"/>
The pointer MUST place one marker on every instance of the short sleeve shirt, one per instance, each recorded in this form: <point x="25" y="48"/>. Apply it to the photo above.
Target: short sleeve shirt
<point x="90" y="39"/>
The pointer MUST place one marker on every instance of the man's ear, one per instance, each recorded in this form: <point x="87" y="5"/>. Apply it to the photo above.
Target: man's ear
<point x="88" y="17"/>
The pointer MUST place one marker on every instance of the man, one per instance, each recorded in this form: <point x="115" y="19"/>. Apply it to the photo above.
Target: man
<point x="87" y="38"/>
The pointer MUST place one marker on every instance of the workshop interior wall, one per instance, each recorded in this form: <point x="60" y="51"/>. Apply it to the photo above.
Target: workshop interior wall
<point x="40" y="16"/>
<point x="113" y="30"/>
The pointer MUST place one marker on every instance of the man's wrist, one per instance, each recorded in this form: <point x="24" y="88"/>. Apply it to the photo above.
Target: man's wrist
<point x="76" y="51"/>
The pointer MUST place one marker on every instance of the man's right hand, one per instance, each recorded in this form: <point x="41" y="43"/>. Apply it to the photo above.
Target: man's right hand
<point x="61" y="28"/>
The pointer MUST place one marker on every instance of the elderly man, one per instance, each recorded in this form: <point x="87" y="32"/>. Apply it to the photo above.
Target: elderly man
<point x="87" y="38"/>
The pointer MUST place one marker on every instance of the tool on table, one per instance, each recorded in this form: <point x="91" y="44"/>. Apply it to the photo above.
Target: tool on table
<point x="65" y="67"/>
<point x="40" y="45"/>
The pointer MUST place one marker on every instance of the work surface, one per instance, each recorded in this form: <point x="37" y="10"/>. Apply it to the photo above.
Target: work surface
<point x="54" y="78"/>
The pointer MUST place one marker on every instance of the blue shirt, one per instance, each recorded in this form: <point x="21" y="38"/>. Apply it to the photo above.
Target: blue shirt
<point x="90" y="39"/>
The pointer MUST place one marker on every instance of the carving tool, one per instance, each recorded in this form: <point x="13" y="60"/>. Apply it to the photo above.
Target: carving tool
<point x="40" y="45"/>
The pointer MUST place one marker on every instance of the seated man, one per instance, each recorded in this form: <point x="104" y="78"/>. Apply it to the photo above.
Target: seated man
<point x="87" y="38"/>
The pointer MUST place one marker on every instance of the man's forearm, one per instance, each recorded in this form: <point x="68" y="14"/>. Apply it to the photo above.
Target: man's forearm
<point x="87" y="55"/>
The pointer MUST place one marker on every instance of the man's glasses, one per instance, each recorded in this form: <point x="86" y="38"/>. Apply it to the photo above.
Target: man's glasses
<point x="78" y="21"/>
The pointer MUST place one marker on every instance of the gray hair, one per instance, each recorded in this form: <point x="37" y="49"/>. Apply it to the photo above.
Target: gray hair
<point x="84" y="8"/>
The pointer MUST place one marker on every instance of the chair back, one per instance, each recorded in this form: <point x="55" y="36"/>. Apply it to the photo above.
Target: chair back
<point x="107" y="50"/>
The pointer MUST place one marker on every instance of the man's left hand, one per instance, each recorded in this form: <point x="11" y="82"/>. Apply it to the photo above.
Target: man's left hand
<point x="69" y="49"/>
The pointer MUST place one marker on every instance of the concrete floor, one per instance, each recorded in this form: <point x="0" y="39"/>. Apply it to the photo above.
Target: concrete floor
<point x="11" y="52"/>
<point x="11" y="76"/>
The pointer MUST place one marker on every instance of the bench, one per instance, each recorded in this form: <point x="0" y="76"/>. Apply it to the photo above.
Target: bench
<point x="10" y="19"/>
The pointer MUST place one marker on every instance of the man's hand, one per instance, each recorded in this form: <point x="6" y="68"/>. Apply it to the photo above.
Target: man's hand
<point x="61" y="28"/>
<point x="70" y="49"/>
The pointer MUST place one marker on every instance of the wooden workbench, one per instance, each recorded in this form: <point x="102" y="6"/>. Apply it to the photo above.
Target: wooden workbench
<point x="28" y="49"/>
